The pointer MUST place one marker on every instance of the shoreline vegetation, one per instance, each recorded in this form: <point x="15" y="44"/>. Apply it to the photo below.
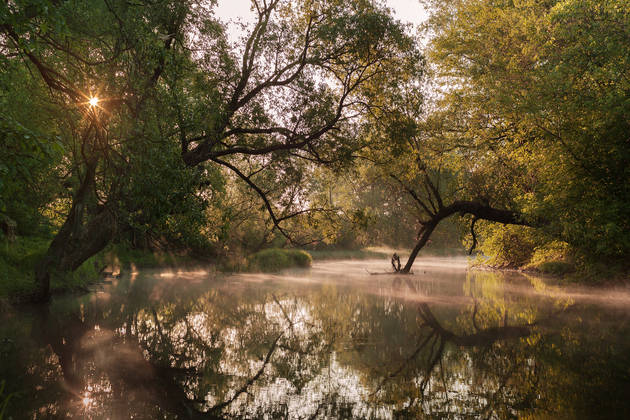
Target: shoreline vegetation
<point x="357" y="135"/>
<point x="17" y="259"/>
<point x="19" y="256"/>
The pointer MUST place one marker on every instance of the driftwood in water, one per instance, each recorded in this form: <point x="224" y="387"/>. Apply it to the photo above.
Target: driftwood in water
<point x="383" y="273"/>
<point x="396" y="262"/>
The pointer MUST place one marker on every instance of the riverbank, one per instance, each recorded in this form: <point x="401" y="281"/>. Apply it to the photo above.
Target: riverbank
<point x="19" y="257"/>
<point x="595" y="275"/>
<point x="17" y="265"/>
<point x="380" y="252"/>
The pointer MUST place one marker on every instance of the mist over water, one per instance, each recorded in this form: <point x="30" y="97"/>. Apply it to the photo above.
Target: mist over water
<point x="335" y="341"/>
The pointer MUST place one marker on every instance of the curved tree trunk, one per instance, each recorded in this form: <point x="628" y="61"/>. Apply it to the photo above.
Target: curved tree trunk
<point x="77" y="240"/>
<point x="477" y="209"/>
<point x="65" y="257"/>
<point x="426" y="232"/>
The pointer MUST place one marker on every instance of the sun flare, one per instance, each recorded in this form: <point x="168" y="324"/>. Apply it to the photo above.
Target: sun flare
<point x="93" y="101"/>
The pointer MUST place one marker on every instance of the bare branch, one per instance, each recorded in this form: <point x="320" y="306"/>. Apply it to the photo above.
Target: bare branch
<point x="276" y="221"/>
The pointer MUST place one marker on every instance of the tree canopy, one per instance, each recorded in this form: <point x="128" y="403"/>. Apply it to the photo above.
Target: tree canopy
<point x="325" y="121"/>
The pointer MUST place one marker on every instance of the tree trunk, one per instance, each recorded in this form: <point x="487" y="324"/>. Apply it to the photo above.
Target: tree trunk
<point x="477" y="209"/>
<point x="64" y="257"/>
<point x="427" y="230"/>
<point x="77" y="240"/>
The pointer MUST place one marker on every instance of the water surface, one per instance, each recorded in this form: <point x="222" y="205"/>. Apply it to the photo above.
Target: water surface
<point x="331" y="342"/>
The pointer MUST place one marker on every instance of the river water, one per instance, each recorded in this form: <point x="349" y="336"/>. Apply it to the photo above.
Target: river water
<point x="331" y="342"/>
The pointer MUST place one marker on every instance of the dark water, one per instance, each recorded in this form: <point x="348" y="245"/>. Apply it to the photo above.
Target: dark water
<point x="332" y="342"/>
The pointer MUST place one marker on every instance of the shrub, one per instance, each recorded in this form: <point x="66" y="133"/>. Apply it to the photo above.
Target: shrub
<point x="276" y="259"/>
<point x="552" y="258"/>
<point x="507" y="245"/>
<point x="17" y="262"/>
<point x="557" y="268"/>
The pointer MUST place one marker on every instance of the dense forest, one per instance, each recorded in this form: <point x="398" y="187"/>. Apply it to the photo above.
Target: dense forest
<point x="502" y="127"/>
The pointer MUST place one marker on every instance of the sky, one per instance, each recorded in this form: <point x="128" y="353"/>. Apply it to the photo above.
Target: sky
<point x="407" y="11"/>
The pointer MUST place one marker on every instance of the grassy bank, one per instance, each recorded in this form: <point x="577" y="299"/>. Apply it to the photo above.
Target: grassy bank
<point x="19" y="257"/>
<point x="17" y="266"/>
<point x="121" y="257"/>
<point x="566" y="269"/>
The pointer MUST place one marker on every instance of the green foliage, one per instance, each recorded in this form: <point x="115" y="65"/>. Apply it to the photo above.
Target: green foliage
<point x="533" y="118"/>
<point x="527" y="248"/>
<point x="77" y="280"/>
<point x="30" y="149"/>
<point x="276" y="259"/>
<point x="17" y="260"/>
<point x="507" y="246"/>
<point x="124" y="257"/>
<point x="536" y="101"/>
<point x="553" y="257"/>
<point x="558" y="268"/>
<point x="133" y="167"/>
<point x="17" y="264"/>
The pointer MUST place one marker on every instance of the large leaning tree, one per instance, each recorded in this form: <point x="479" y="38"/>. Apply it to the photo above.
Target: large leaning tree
<point x="177" y="99"/>
<point x="526" y="124"/>
<point x="544" y="85"/>
<point x="436" y="171"/>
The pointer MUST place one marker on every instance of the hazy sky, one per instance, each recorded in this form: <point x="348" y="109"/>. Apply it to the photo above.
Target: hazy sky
<point x="407" y="11"/>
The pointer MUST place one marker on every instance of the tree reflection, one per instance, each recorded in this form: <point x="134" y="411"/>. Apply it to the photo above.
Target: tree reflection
<point x="217" y="349"/>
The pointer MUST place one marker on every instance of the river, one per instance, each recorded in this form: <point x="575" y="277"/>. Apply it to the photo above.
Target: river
<point x="334" y="341"/>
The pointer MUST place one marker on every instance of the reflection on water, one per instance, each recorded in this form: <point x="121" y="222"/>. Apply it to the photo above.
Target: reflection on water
<point x="331" y="342"/>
